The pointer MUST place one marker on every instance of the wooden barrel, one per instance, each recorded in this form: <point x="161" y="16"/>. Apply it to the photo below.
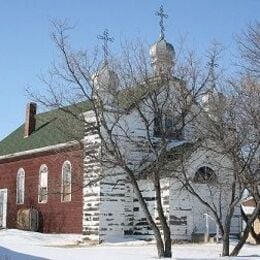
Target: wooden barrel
<point x="28" y="219"/>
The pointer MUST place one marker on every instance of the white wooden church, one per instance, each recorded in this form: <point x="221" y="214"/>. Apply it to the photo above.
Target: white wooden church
<point x="111" y="208"/>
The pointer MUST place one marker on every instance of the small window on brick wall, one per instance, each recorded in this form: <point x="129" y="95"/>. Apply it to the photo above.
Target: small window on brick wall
<point x="20" y="181"/>
<point x="43" y="184"/>
<point x="66" y="182"/>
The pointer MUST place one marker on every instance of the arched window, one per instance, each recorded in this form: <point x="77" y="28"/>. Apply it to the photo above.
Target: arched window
<point x="66" y="182"/>
<point x="20" y="181"/>
<point x="43" y="184"/>
<point x="204" y="175"/>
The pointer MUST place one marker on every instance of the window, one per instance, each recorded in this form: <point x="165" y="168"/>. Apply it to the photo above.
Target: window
<point x="20" y="180"/>
<point x="167" y="126"/>
<point x="66" y="182"/>
<point x="204" y="175"/>
<point x="43" y="184"/>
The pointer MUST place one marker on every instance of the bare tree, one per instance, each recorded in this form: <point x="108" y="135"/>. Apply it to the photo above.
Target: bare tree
<point x="247" y="96"/>
<point x="119" y="91"/>
<point x="139" y="117"/>
<point x="249" y="46"/>
<point x="229" y="130"/>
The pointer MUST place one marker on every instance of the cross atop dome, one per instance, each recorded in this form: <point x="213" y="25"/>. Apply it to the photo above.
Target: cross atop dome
<point x="105" y="38"/>
<point x="162" y="16"/>
<point x="162" y="52"/>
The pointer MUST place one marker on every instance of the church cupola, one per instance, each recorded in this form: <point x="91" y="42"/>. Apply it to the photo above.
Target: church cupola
<point x="106" y="81"/>
<point x="106" y="84"/>
<point x="162" y="53"/>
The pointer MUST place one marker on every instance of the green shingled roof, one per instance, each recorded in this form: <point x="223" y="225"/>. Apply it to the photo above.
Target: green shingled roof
<point x="54" y="127"/>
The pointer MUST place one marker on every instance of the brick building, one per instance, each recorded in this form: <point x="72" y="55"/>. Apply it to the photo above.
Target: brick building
<point x="41" y="168"/>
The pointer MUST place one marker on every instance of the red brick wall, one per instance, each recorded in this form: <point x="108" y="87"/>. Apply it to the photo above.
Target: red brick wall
<point x="57" y="216"/>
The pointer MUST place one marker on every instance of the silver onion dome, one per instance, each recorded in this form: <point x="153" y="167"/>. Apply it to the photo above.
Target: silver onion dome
<point x="162" y="54"/>
<point x="106" y="83"/>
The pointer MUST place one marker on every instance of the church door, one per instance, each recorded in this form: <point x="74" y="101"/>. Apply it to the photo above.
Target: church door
<point x="3" y="207"/>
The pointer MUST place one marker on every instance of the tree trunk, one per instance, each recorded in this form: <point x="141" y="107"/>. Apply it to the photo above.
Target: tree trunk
<point x="148" y="216"/>
<point x="249" y="223"/>
<point x="226" y="234"/>
<point x="225" y="242"/>
<point x="162" y="218"/>
<point x="241" y="242"/>
<point x="159" y="243"/>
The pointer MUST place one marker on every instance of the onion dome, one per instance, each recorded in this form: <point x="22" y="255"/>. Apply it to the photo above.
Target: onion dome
<point x="106" y="83"/>
<point x="208" y="98"/>
<point x="162" y="54"/>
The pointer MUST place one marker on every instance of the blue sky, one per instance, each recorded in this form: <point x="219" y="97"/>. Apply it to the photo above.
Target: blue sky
<point x="26" y="49"/>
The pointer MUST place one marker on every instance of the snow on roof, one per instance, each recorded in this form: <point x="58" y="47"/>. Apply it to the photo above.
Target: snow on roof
<point x="175" y="143"/>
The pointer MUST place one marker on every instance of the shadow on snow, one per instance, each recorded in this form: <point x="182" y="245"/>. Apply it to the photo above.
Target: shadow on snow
<point x="7" y="254"/>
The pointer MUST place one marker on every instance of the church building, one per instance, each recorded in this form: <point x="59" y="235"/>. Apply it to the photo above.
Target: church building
<point x="44" y="168"/>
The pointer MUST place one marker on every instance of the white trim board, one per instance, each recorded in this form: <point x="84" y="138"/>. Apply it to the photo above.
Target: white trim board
<point x="39" y="150"/>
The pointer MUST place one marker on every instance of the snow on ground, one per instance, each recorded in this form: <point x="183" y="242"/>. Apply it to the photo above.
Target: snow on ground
<point x="25" y="245"/>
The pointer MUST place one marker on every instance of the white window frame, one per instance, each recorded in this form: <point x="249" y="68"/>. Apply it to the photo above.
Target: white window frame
<point x="62" y="182"/>
<point x="4" y="207"/>
<point x="43" y="169"/>
<point x="20" y="186"/>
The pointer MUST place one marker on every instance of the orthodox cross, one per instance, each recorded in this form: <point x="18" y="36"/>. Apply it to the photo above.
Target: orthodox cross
<point x="105" y="38"/>
<point x="211" y="74"/>
<point x="212" y="63"/>
<point x="162" y="15"/>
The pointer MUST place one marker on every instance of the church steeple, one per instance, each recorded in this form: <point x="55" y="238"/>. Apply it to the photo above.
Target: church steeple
<point x="162" y="52"/>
